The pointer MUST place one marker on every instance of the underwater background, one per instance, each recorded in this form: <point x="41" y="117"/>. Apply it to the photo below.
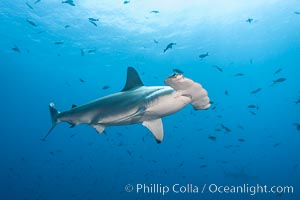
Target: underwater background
<point x="246" y="54"/>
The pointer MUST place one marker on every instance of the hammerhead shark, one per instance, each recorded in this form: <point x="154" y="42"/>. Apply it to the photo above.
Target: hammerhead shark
<point x="136" y="103"/>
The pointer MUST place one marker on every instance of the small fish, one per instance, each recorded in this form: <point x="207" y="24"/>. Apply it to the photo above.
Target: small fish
<point x="126" y="2"/>
<point x="218" y="130"/>
<point x="256" y="91"/>
<point x="226" y="92"/>
<point x="218" y="68"/>
<point x="240" y="127"/>
<point x="93" y="19"/>
<point x="253" y="113"/>
<point x="31" y="23"/>
<point x="298" y="101"/>
<point x="249" y="20"/>
<point x="213" y="108"/>
<point x="91" y="51"/>
<point x="279" y="80"/>
<point x="93" y="23"/>
<point x="37" y="1"/>
<point x="178" y="71"/>
<point x="169" y="46"/>
<point x="225" y="128"/>
<point x="203" y="166"/>
<point x="129" y="152"/>
<point x="70" y="2"/>
<point x="154" y="11"/>
<point x="203" y="55"/>
<point x="82" y="52"/>
<point x="277" y="71"/>
<point x="155" y="41"/>
<point x="297" y="12"/>
<point x="239" y="74"/>
<point x="59" y="42"/>
<point x="81" y="80"/>
<point x="253" y="107"/>
<point x="297" y="126"/>
<point x="181" y="164"/>
<point x="67" y="26"/>
<point x="16" y="49"/>
<point x="105" y="87"/>
<point x="241" y="140"/>
<point x="213" y="138"/>
<point x="29" y="6"/>
<point x="276" y="144"/>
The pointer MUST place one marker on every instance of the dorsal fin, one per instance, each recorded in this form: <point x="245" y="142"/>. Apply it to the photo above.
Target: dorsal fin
<point x="133" y="80"/>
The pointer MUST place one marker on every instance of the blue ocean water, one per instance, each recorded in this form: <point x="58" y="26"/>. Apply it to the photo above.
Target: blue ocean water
<point x="52" y="51"/>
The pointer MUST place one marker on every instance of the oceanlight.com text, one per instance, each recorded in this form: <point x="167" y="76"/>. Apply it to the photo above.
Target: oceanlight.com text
<point x="163" y="189"/>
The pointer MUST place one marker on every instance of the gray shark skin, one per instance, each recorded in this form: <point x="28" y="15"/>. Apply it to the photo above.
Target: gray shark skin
<point x="136" y="103"/>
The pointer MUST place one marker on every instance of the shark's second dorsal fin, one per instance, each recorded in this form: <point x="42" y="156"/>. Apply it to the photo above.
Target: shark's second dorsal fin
<point x="133" y="80"/>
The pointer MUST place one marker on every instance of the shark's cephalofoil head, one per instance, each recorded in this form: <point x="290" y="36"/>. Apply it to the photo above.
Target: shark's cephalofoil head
<point x="188" y="87"/>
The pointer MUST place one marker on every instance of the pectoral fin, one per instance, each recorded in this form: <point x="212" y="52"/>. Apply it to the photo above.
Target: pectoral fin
<point x="156" y="128"/>
<point x="99" y="128"/>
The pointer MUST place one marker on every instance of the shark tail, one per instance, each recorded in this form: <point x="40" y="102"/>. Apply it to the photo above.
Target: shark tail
<point x="54" y="114"/>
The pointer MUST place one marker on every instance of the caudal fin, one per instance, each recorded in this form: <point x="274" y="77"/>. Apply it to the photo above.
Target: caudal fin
<point x="54" y="114"/>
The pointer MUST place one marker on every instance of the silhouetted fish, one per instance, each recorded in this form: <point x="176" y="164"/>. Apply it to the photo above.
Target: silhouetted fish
<point x="297" y="126"/>
<point x="178" y="71"/>
<point x="279" y="80"/>
<point x="91" y="51"/>
<point x="58" y="42"/>
<point x="225" y="128"/>
<point x="277" y="71"/>
<point x="154" y="11"/>
<point x="105" y="87"/>
<point x="93" y="19"/>
<point x="256" y="91"/>
<point x="297" y="12"/>
<point x="213" y="138"/>
<point x="31" y="23"/>
<point x="81" y="80"/>
<point x="82" y="52"/>
<point x="37" y="1"/>
<point x="298" y="101"/>
<point x="218" y="68"/>
<point x="155" y="41"/>
<point x="92" y="22"/>
<point x="203" y="166"/>
<point x="249" y="20"/>
<point x="67" y="26"/>
<point x="226" y="92"/>
<point x="253" y="113"/>
<point x="239" y="74"/>
<point x="169" y="46"/>
<point x="126" y="2"/>
<point x="29" y="6"/>
<point x="241" y="140"/>
<point x="181" y="164"/>
<point x="129" y="152"/>
<point x="253" y="106"/>
<point x="203" y="55"/>
<point x="70" y="2"/>
<point x="16" y="49"/>
<point x="276" y="144"/>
